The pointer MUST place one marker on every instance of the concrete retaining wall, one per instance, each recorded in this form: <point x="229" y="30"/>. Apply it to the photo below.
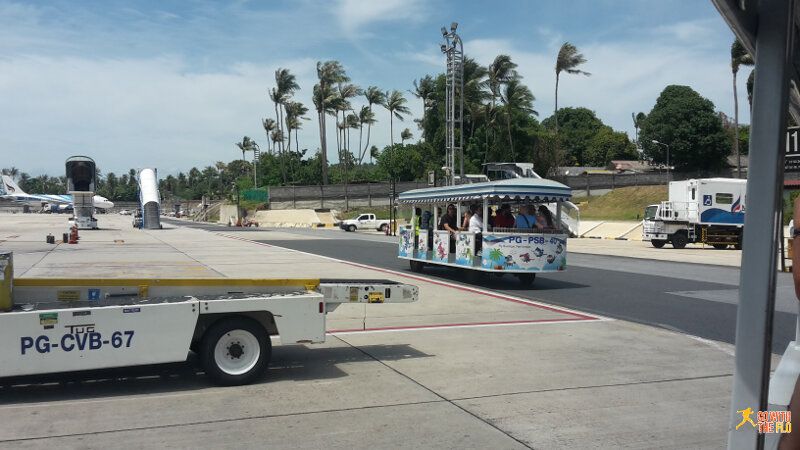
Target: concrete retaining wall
<point x="300" y="218"/>
<point x="226" y="212"/>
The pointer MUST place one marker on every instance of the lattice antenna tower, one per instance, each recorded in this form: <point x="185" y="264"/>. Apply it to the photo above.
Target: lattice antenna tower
<point x="454" y="102"/>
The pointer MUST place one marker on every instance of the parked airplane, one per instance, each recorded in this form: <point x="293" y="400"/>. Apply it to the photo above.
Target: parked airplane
<point x="12" y="192"/>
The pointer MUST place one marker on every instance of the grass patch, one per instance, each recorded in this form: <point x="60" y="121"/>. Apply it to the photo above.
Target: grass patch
<point x="626" y="203"/>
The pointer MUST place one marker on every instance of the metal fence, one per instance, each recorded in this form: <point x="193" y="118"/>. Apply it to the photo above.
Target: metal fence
<point x="256" y="195"/>
<point x="377" y="194"/>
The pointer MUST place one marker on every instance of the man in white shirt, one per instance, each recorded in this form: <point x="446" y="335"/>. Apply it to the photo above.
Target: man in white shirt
<point x="476" y="221"/>
<point x="476" y="226"/>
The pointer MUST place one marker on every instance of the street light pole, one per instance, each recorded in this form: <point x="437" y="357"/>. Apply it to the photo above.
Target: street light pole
<point x="665" y="145"/>
<point x="236" y="187"/>
<point x="256" y="155"/>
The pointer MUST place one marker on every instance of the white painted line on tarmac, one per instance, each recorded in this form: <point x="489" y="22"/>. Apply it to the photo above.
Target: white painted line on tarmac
<point x="561" y="309"/>
<point x="728" y="349"/>
<point x="466" y="325"/>
<point x="203" y="392"/>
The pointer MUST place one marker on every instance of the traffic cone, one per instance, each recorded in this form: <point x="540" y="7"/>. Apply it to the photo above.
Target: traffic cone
<point x="73" y="235"/>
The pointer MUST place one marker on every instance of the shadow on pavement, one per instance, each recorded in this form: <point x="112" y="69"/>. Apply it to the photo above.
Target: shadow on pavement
<point x="288" y="363"/>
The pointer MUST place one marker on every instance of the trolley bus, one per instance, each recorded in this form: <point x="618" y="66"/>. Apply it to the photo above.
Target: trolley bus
<point x="523" y="252"/>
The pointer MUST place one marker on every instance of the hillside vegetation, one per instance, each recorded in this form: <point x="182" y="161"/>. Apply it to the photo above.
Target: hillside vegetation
<point x="626" y="203"/>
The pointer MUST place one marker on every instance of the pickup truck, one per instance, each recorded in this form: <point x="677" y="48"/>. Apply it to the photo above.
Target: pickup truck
<point x="367" y="221"/>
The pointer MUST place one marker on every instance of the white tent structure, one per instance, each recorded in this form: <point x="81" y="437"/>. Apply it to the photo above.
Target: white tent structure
<point x="149" y="199"/>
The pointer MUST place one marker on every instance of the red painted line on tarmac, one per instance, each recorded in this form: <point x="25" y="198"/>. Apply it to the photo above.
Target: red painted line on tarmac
<point x="474" y="291"/>
<point x="577" y="316"/>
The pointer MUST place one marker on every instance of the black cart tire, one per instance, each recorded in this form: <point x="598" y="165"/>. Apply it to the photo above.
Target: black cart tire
<point x="416" y="266"/>
<point x="235" y="351"/>
<point x="679" y="240"/>
<point x="526" y="279"/>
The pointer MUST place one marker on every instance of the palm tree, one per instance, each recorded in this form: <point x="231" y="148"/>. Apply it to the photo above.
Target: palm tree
<point x="739" y="57"/>
<point x="365" y="116"/>
<point x="567" y="61"/>
<point x="405" y="134"/>
<point x="374" y="96"/>
<point x="517" y="97"/>
<point x="374" y="152"/>
<point x="13" y="172"/>
<point x="276" y="136"/>
<point x="395" y="103"/>
<point x="490" y="114"/>
<point x="474" y="95"/>
<point x="269" y="125"/>
<point x="501" y="71"/>
<point x="425" y="91"/>
<point x="245" y="146"/>
<point x="286" y="85"/>
<point x="346" y="92"/>
<point x="277" y="100"/>
<point x="295" y="112"/>
<point x="328" y="73"/>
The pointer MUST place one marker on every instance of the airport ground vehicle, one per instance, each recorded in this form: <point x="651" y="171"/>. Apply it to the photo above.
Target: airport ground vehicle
<point x="364" y="221"/>
<point x="522" y="252"/>
<point x="707" y="210"/>
<point x="87" y="324"/>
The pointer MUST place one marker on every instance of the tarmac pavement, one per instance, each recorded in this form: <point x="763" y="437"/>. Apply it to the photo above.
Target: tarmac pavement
<point x="460" y="368"/>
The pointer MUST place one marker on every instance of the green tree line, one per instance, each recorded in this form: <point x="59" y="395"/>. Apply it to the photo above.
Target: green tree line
<point x="500" y="123"/>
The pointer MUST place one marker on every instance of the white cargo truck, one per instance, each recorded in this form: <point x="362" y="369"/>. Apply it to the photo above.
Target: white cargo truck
<point x="63" y="325"/>
<point x="707" y="210"/>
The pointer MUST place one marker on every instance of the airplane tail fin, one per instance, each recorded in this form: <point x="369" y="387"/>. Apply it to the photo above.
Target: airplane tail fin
<point x="11" y="187"/>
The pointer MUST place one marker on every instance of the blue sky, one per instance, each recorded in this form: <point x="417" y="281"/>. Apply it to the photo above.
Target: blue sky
<point x="174" y="84"/>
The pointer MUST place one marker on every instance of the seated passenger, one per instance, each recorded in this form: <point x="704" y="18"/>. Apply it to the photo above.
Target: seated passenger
<point x="525" y="219"/>
<point x="476" y="220"/>
<point x="476" y="226"/>
<point x="426" y="220"/>
<point x="504" y="219"/>
<point x="449" y="220"/>
<point x="465" y="223"/>
<point x="545" y="217"/>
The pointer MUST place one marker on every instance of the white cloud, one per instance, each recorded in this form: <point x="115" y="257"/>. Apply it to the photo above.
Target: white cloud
<point x="130" y="113"/>
<point x="355" y="14"/>
<point x="695" y="33"/>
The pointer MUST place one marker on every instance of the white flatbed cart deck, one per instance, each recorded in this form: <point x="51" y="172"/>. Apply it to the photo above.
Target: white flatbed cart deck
<point x="63" y="325"/>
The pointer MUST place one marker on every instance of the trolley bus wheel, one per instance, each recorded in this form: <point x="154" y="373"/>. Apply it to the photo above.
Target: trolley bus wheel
<point x="416" y="266"/>
<point x="526" y="279"/>
<point x="235" y="351"/>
